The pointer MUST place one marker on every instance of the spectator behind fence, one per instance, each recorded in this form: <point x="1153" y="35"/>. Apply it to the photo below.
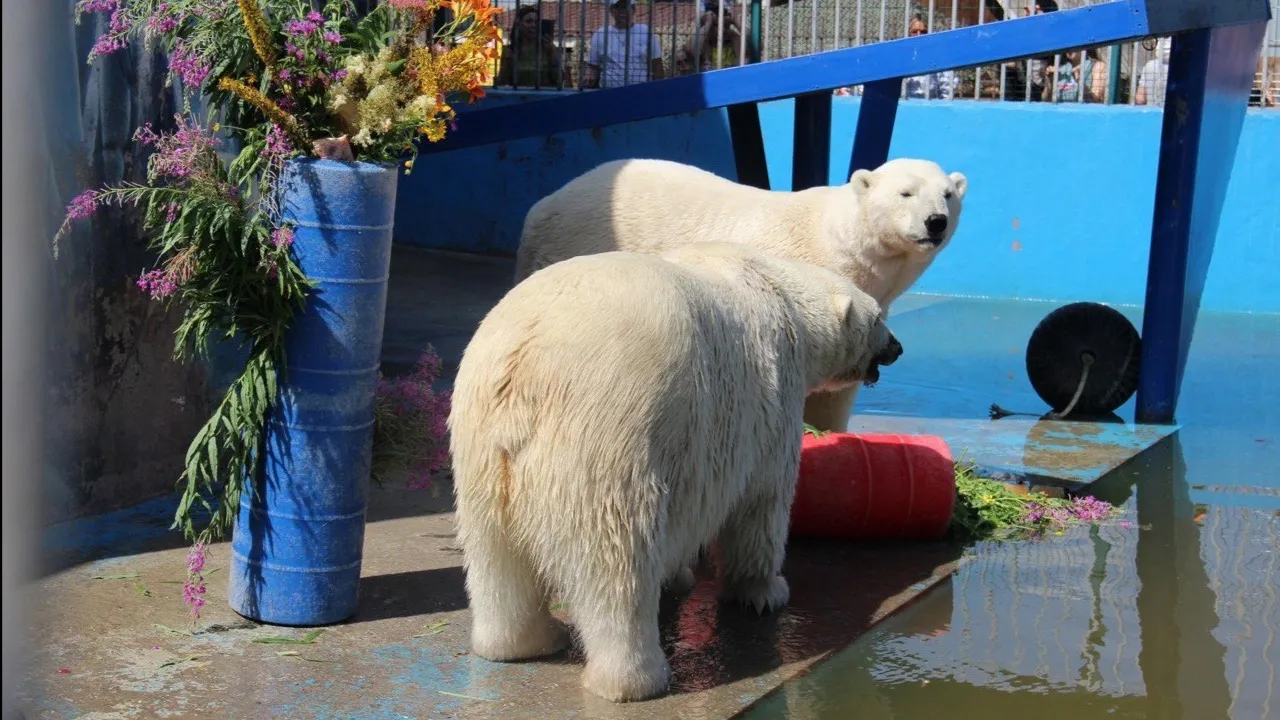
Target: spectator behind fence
<point x="705" y="42"/>
<point x="935" y="85"/>
<point x="1038" y="77"/>
<point x="625" y="52"/>
<point x="1154" y="76"/>
<point x="1071" y="73"/>
<point x="530" y="59"/>
<point x="1265" y="82"/>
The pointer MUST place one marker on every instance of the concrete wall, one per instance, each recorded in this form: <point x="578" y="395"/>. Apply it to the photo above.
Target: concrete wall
<point x="1059" y="206"/>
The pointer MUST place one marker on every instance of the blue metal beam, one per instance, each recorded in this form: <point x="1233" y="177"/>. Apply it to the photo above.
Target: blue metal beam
<point x="876" y="115"/>
<point x="1210" y="77"/>
<point x="821" y="72"/>
<point x="748" y="145"/>
<point x="811" y="153"/>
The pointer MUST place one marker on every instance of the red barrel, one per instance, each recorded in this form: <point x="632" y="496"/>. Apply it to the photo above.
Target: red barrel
<point x="874" y="487"/>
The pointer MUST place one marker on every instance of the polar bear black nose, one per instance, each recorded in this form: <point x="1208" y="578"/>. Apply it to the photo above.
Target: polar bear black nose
<point x="891" y="353"/>
<point x="936" y="224"/>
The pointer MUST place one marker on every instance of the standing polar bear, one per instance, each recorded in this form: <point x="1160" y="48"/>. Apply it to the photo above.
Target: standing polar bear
<point x="881" y="230"/>
<point x="614" y="414"/>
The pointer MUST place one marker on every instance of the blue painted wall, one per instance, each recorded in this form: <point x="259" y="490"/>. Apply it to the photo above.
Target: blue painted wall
<point x="1059" y="206"/>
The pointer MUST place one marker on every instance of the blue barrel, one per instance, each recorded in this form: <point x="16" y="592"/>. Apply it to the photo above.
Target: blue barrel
<point x="299" y="537"/>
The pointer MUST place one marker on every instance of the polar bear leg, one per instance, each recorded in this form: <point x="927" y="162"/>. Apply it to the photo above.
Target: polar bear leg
<point x="510" y="614"/>
<point x="830" y="411"/>
<point x="752" y="548"/>
<point x="617" y="619"/>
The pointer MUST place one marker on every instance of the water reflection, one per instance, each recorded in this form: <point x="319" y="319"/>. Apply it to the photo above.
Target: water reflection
<point x="1175" y="620"/>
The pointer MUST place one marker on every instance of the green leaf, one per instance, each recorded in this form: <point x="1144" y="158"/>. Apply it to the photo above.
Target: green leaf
<point x="178" y="661"/>
<point x="308" y="639"/>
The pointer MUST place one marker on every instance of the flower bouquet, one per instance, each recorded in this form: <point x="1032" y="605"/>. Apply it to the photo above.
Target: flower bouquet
<point x="281" y="81"/>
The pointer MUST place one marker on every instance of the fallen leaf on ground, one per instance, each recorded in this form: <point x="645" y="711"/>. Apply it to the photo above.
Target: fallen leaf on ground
<point x="308" y="639"/>
<point x="177" y="661"/>
<point x="173" y="631"/>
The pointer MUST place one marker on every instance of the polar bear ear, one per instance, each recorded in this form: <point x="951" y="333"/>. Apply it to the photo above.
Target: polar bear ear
<point x="861" y="180"/>
<point x="961" y="182"/>
<point x="844" y="308"/>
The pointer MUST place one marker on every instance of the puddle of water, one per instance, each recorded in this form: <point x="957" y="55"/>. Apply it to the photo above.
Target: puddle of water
<point x="1179" y="619"/>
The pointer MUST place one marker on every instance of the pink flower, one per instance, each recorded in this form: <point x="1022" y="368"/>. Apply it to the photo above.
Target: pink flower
<point x="193" y="595"/>
<point x="162" y="22"/>
<point x="278" y="147"/>
<point x="194" y="588"/>
<point x="282" y="237"/>
<point x="298" y="28"/>
<point x="83" y="205"/>
<point x="196" y="557"/>
<point x="171" y="212"/>
<point x="410" y="408"/>
<point x="188" y="151"/>
<point x="158" y="283"/>
<point x="188" y="65"/>
<point x="332" y="37"/>
<point x="112" y="40"/>
<point x="99" y="6"/>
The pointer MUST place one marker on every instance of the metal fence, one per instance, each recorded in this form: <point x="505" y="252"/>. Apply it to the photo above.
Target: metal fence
<point x="564" y="44"/>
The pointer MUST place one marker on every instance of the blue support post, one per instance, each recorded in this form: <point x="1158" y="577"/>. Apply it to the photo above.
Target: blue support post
<point x="1210" y="76"/>
<point x="811" y="156"/>
<point x="876" y="115"/>
<point x="748" y="145"/>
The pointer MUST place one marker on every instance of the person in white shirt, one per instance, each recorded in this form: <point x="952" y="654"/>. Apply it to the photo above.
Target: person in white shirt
<point x="623" y="53"/>
<point x="1155" y="75"/>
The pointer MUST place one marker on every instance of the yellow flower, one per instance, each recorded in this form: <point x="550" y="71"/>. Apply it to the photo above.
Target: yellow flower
<point x="256" y="23"/>
<point x="264" y="104"/>
<point x="408" y="165"/>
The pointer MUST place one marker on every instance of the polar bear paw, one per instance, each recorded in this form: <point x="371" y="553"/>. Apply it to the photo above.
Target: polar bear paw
<point x="500" y="644"/>
<point x="762" y="594"/>
<point x="622" y="678"/>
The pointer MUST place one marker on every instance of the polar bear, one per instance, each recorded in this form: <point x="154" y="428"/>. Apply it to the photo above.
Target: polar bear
<point x="614" y="414"/>
<point x="881" y="230"/>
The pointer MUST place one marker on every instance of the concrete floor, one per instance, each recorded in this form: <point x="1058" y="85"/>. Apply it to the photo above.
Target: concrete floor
<point x="112" y="638"/>
<point x="105" y="641"/>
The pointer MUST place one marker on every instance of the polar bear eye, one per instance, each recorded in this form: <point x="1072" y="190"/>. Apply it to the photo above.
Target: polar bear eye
<point x="905" y="193"/>
<point x="946" y="195"/>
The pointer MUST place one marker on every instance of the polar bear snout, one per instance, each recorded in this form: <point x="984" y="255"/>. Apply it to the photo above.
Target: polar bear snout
<point x="891" y="352"/>
<point x="936" y="226"/>
<point x="886" y="355"/>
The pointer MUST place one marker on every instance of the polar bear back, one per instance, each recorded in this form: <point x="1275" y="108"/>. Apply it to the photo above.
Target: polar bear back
<point x="626" y="384"/>
<point x="651" y="206"/>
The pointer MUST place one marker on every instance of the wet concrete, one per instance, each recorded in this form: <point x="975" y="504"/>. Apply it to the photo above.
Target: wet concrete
<point x="1059" y="618"/>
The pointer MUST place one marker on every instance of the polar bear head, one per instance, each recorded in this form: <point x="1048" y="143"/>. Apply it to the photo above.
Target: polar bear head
<point x="865" y="344"/>
<point x="909" y="206"/>
<point x="848" y="341"/>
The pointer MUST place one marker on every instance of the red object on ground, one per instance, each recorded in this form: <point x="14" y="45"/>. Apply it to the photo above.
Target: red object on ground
<point x="874" y="487"/>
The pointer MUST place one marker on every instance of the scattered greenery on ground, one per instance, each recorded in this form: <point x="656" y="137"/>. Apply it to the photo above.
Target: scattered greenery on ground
<point x="988" y="509"/>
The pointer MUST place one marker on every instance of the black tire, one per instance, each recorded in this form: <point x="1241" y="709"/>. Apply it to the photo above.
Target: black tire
<point x="1067" y="334"/>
